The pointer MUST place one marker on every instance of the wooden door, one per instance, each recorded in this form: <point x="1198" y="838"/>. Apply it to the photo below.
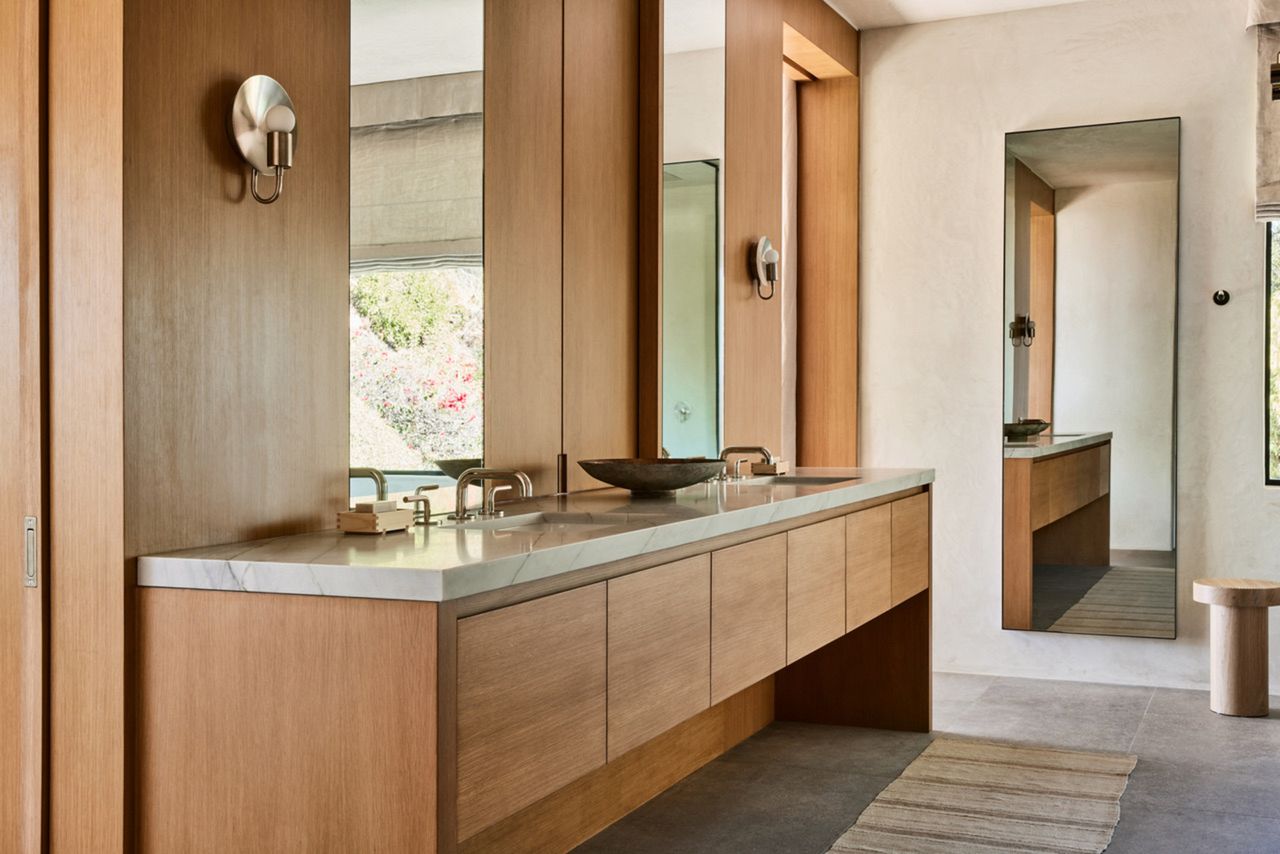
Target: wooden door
<point x="22" y="600"/>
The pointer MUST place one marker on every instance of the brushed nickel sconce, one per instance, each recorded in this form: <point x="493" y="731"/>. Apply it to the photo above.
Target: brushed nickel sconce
<point x="762" y="266"/>
<point x="263" y="126"/>
<point x="1022" y="331"/>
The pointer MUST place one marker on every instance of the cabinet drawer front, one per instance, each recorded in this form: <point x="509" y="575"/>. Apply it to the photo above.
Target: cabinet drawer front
<point x="815" y="587"/>
<point x="531" y="702"/>
<point x="1063" y="484"/>
<point x="659" y="650"/>
<point x="748" y="614"/>
<point x="869" y="564"/>
<point x="910" y="546"/>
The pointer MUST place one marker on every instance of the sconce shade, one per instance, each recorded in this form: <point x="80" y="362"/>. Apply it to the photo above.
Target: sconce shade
<point x="261" y="106"/>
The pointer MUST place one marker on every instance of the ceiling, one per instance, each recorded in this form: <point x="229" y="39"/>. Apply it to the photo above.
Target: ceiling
<point x="872" y="14"/>
<point x="1100" y="154"/>
<point x="398" y="39"/>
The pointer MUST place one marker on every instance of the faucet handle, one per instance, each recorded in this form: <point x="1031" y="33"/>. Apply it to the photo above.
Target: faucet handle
<point x="491" y="500"/>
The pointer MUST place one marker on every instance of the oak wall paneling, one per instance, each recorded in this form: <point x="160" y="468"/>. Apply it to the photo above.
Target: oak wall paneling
<point x="22" y="318"/>
<point x="600" y="233"/>
<point x="649" y="209"/>
<point x="285" y="723"/>
<point x="87" y="574"/>
<point x="523" y="230"/>
<point x="235" y="321"/>
<point x="753" y="406"/>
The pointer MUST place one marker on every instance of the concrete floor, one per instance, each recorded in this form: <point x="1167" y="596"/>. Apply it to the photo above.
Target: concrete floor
<point x="1204" y="783"/>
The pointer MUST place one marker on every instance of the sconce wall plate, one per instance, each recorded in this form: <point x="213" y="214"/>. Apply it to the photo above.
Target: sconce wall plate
<point x="263" y="127"/>
<point x="762" y="267"/>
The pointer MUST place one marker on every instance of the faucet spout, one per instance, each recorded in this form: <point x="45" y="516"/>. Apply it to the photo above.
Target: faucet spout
<point x="764" y="453"/>
<point x="516" y="478"/>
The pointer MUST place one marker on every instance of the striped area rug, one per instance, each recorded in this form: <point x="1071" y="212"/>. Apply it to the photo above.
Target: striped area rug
<point x="978" y="797"/>
<point x="1130" y="601"/>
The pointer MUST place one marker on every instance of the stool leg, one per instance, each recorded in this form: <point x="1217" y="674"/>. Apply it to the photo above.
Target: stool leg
<point x="1238" y="661"/>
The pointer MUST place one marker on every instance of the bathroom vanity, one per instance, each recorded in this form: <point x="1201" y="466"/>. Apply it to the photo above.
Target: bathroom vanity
<point x="1057" y="511"/>
<point x="520" y="683"/>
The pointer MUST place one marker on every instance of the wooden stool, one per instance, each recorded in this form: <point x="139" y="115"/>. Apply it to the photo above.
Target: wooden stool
<point x="1238" y="642"/>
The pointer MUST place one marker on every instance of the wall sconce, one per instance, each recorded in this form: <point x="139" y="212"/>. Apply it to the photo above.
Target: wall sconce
<point x="263" y="126"/>
<point x="762" y="266"/>
<point x="1022" y="331"/>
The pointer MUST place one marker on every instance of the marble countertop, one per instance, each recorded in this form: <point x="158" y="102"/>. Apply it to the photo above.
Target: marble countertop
<point x="436" y="563"/>
<point x="1050" y="444"/>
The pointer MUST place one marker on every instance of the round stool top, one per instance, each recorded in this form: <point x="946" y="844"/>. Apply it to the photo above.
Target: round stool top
<point x="1236" y="592"/>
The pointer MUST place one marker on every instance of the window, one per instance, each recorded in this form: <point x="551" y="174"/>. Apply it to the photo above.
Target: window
<point x="417" y="339"/>
<point x="1273" y="356"/>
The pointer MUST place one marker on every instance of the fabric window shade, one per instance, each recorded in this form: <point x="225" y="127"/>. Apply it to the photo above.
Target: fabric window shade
<point x="1264" y="17"/>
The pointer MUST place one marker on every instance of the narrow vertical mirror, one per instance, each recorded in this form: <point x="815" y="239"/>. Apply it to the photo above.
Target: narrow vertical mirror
<point x="693" y="198"/>
<point x="417" y="283"/>
<point x="1091" y="289"/>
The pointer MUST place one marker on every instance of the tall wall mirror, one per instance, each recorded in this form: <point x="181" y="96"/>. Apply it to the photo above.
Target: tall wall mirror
<point x="1091" y="281"/>
<point x="417" y="277"/>
<point x="693" y="205"/>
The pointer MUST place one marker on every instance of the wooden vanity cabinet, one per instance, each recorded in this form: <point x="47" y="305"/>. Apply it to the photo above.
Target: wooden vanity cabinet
<point x="910" y="547"/>
<point x="868" y="564"/>
<point x="748" y="614"/>
<point x="815" y="586"/>
<point x="659" y="650"/>
<point x="530" y="702"/>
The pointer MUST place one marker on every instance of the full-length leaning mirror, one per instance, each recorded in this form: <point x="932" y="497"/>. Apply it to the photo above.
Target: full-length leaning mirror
<point x="417" y="279"/>
<point x="693" y="202"/>
<point x="1091" y="280"/>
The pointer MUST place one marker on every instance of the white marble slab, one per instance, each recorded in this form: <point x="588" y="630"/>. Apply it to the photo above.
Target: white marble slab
<point x="1051" y="444"/>
<point x="441" y="563"/>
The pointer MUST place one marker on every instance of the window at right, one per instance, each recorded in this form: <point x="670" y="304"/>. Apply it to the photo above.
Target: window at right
<point x="1273" y="355"/>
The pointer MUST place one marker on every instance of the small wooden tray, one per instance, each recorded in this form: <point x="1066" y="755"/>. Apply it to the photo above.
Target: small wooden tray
<point x="352" y="522"/>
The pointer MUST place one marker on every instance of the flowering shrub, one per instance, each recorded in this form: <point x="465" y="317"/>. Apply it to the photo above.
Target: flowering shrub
<point x="417" y="360"/>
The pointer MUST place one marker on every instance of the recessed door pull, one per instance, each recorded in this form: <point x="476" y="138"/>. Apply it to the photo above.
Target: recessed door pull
<point x="30" y="553"/>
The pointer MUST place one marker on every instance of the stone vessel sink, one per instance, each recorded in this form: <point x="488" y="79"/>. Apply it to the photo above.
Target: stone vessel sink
<point x="653" y="477"/>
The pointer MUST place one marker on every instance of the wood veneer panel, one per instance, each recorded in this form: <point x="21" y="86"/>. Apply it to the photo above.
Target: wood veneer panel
<point x="911" y="546"/>
<point x="868" y="564"/>
<point x="878" y="675"/>
<point x="659" y="650"/>
<point x="531" y="702"/>
<point x="649" y="248"/>
<point x="1082" y="538"/>
<point x="815" y="587"/>
<point x="601" y="44"/>
<point x="1065" y="483"/>
<point x="1043" y="309"/>
<point x="285" y="723"/>
<point x="87" y="571"/>
<point x="753" y="404"/>
<point x="1016" y="572"/>
<point x="523" y="102"/>
<point x="827" y="296"/>
<point x="22" y="609"/>
<point x="591" y="803"/>
<point x="235" y="313"/>
<point x="748" y="614"/>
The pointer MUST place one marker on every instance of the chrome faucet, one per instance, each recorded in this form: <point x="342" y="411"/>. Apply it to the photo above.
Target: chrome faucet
<point x="765" y="455"/>
<point x="517" y="478"/>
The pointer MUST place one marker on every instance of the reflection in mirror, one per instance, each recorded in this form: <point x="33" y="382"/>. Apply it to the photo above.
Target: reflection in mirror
<point x="692" y="269"/>
<point x="417" y="285"/>
<point x="1091" y="248"/>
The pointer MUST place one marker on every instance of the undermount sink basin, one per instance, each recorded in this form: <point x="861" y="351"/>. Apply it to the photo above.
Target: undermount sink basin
<point x="546" y="523"/>
<point x="796" y="480"/>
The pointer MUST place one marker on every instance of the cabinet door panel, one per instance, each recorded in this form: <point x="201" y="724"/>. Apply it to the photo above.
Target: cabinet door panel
<point x="815" y="587"/>
<point x="748" y="614"/>
<point x="659" y="650"/>
<point x="868" y="564"/>
<point x="531" y="702"/>
<point x="910" y="546"/>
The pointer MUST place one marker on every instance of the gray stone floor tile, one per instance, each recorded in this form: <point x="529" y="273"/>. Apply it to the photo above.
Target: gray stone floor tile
<point x="1145" y="830"/>
<point x="848" y="750"/>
